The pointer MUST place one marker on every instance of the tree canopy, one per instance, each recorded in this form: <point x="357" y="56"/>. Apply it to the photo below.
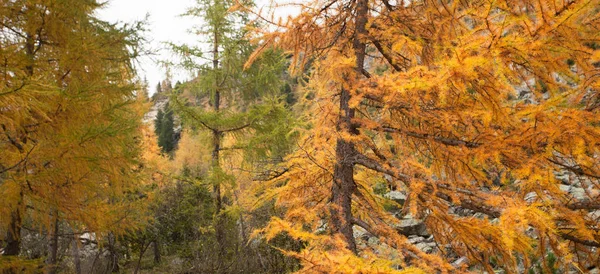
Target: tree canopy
<point x="363" y="136"/>
<point x="69" y="117"/>
<point x="472" y="105"/>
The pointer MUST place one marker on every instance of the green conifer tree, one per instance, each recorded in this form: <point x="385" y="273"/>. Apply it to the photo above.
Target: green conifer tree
<point x="242" y="102"/>
<point x="166" y="133"/>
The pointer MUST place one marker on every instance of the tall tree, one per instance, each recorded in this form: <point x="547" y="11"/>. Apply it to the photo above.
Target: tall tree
<point x="69" y="120"/>
<point x="158" y="88"/>
<point x="473" y="105"/>
<point x="243" y="102"/>
<point x="164" y="127"/>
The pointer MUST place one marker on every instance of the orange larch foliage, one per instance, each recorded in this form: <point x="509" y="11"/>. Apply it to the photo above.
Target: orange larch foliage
<point x="482" y="106"/>
<point x="69" y="123"/>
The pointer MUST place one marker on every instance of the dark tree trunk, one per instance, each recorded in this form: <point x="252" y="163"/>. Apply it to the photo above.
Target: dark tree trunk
<point x="217" y="136"/>
<point x="343" y="175"/>
<point x="13" y="238"/>
<point x="75" y="254"/>
<point x="30" y="53"/>
<point x="51" y="261"/>
<point x="156" y="250"/>
<point x="344" y="185"/>
<point x="143" y="248"/>
<point x="114" y="255"/>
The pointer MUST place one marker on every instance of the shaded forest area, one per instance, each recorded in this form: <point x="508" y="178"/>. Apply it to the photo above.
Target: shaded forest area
<point x="354" y="137"/>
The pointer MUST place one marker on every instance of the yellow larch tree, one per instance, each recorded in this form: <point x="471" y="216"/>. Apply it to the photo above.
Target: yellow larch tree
<point x="70" y="123"/>
<point x="461" y="105"/>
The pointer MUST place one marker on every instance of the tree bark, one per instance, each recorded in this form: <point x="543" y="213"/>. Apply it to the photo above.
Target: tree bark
<point x="156" y="251"/>
<point x="114" y="256"/>
<point x="51" y="260"/>
<point x="343" y="179"/>
<point x="343" y="175"/>
<point x="217" y="135"/>
<point x="13" y="239"/>
<point x="75" y="253"/>
<point x="143" y="248"/>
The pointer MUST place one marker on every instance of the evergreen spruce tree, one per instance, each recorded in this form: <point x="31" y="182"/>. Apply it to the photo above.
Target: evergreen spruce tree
<point x="166" y="133"/>
<point x="158" y="122"/>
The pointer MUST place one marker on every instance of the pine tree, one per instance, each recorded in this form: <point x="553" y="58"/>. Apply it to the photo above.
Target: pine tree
<point x="166" y="133"/>
<point x="158" y="122"/>
<point x="158" y="88"/>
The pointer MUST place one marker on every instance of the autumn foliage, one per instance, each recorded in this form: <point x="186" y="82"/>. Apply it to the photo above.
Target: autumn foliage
<point x="462" y="105"/>
<point x="69" y="121"/>
<point x="472" y="126"/>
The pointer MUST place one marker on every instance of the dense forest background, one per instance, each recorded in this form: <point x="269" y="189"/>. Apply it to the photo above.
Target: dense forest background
<point x="360" y="136"/>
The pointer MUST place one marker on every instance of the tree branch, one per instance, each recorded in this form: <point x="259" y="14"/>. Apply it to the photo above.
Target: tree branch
<point x="365" y="225"/>
<point x="374" y="165"/>
<point x="236" y="128"/>
<point x="468" y="203"/>
<point x="425" y="136"/>
<point x="578" y="240"/>
<point x="385" y="54"/>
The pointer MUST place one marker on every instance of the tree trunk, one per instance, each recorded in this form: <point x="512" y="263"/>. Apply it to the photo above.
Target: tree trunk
<point x="114" y="256"/>
<point x="217" y="135"/>
<point x="143" y="247"/>
<point x="13" y="239"/>
<point x="75" y="253"/>
<point x="30" y="53"/>
<point x="219" y="221"/>
<point x="156" y="250"/>
<point x="343" y="175"/>
<point x="51" y="261"/>
<point x="343" y="184"/>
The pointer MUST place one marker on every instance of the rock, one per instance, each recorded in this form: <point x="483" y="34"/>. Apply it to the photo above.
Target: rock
<point x="577" y="192"/>
<point x="460" y="262"/>
<point x="373" y="241"/>
<point x="388" y="178"/>
<point x="396" y="196"/>
<point x="322" y="229"/>
<point x="479" y="215"/>
<point x="425" y="247"/>
<point x="562" y="176"/>
<point x="413" y="239"/>
<point x="460" y="211"/>
<point x="360" y="233"/>
<point x="531" y="197"/>
<point x="524" y="94"/>
<point x="546" y="95"/>
<point x="594" y="215"/>
<point x="410" y="226"/>
<point x="88" y="239"/>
